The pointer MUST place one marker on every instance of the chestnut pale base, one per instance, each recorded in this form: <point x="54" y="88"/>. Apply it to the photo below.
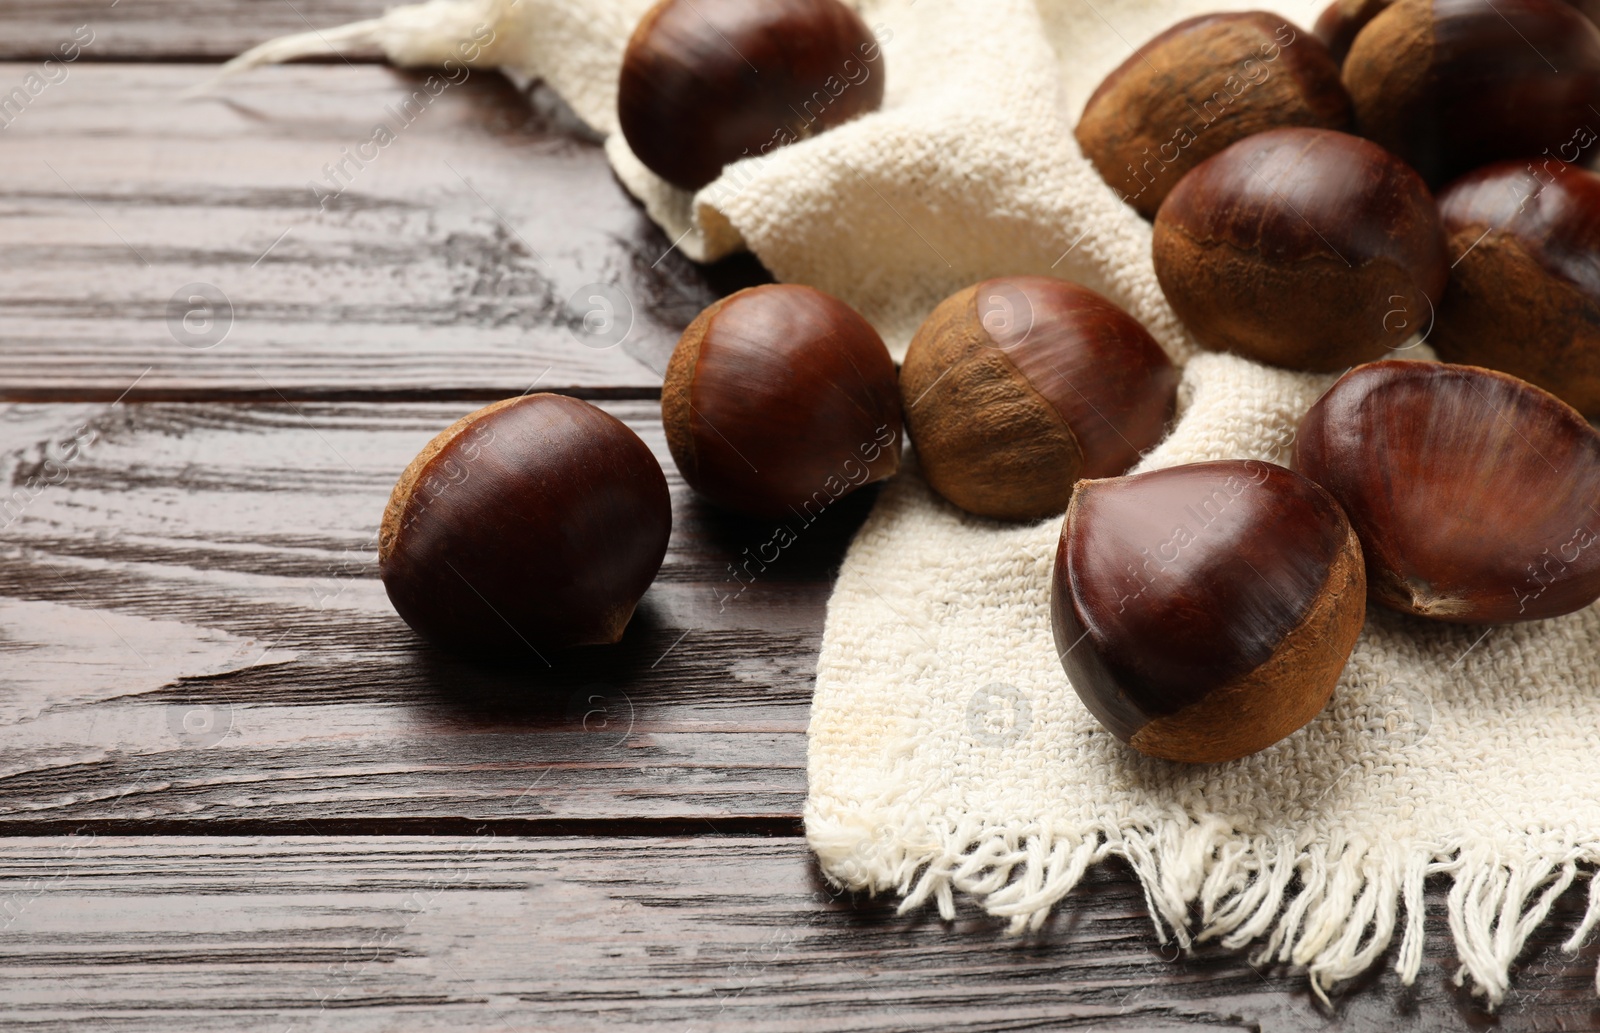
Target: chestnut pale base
<point x="1283" y="694"/>
<point x="1234" y="301"/>
<point x="986" y="439"/>
<point x="1165" y="100"/>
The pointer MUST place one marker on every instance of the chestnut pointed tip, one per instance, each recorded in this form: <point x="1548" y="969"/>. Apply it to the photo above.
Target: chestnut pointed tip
<point x="612" y="630"/>
<point x="1419" y="597"/>
<point x="889" y="466"/>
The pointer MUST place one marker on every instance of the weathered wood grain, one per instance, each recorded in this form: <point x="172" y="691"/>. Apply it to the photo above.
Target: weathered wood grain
<point x="193" y="630"/>
<point x="167" y="29"/>
<point x="456" y="261"/>
<point x="706" y="934"/>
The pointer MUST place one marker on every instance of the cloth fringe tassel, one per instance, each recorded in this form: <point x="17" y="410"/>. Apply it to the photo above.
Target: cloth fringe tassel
<point x="1329" y="908"/>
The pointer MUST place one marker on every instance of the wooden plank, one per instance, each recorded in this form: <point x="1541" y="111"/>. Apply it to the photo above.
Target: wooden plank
<point x="711" y="934"/>
<point x="456" y="261"/>
<point x="166" y="29"/>
<point x="193" y="631"/>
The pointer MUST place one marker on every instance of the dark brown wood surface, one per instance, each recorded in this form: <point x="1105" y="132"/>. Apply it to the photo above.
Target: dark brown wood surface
<point x="712" y="933"/>
<point x="455" y="263"/>
<point x="237" y="793"/>
<point x="218" y="559"/>
<point x="167" y="30"/>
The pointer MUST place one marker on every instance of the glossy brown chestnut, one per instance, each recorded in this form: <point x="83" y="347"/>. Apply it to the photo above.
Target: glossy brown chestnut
<point x="1015" y="388"/>
<point x="1476" y="495"/>
<point x="1303" y="248"/>
<point x="1198" y="87"/>
<point x="779" y="400"/>
<point x="1204" y="612"/>
<point x="530" y="525"/>
<point x="1449" y="85"/>
<point x="1340" y="22"/>
<point x="1524" y="296"/>
<point x="707" y="82"/>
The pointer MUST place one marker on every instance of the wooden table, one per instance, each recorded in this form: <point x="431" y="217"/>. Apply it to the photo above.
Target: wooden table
<point x="238" y="793"/>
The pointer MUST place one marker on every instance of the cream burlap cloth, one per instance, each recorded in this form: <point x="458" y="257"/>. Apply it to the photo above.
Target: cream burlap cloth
<point x="948" y="754"/>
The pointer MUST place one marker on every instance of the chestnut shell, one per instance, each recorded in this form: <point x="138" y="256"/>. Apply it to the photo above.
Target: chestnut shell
<point x="1524" y="296"/>
<point x="780" y="399"/>
<point x="1342" y="20"/>
<point x="1018" y="386"/>
<point x="1302" y="248"/>
<point x="532" y="524"/>
<point x="1201" y="85"/>
<point x="1476" y="495"/>
<point x="706" y="82"/>
<point x="1204" y="612"/>
<point x="1449" y="85"/>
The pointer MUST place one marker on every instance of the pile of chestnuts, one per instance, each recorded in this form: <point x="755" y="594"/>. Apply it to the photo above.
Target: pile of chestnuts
<point x="1201" y="612"/>
<point x="1290" y="179"/>
<point x="1204" y="612"/>
<point x="536" y="524"/>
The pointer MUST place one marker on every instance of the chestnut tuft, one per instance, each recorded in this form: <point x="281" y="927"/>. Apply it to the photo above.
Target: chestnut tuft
<point x="1476" y="495"/>
<point x="1198" y="87"/>
<point x="707" y="82"/>
<point x="1017" y="387"/>
<point x="1204" y="612"/>
<point x="780" y="399"/>
<point x="1524" y="296"/>
<point x="1449" y="85"/>
<point x="1303" y="248"/>
<point x="532" y="524"/>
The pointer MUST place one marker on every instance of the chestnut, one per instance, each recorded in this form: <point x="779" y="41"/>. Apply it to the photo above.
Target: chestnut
<point x="706" y="82"/>
<point x="1198" y="87"/>
<point x="1340" y="22"/>
<point x="1474" y="493"/>
<point x="1524" y="296"/>
<point x="1297" y="247"/>
<point x="532" y="524"/>
<point x="1449" y="85"/>
<point x="781" y="399"/>
<point x="1016" y="387"/>
<point x="1204" y="612"/>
